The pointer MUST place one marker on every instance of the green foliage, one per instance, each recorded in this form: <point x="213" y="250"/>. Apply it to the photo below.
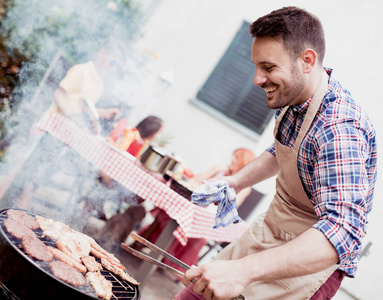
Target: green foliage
<point x="39" y="28"/>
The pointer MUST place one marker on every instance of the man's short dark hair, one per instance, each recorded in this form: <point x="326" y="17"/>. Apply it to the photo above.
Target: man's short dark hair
<point x="296" y="28"/>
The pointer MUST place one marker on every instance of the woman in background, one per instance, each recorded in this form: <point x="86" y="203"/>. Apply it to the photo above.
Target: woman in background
<point x="240" y="158"/>
<point x="110" y="191"/>
<point x="135" y="139"/>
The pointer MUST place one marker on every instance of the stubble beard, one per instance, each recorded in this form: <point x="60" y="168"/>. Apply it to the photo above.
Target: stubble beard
<point x="292" y="90"/>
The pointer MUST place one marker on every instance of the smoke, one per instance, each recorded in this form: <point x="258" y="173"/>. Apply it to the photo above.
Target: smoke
<point x="38" y="172"/>
<point x="38" y="28"/>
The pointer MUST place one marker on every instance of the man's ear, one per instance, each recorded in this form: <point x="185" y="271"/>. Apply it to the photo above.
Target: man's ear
<point x="309" y="59"/>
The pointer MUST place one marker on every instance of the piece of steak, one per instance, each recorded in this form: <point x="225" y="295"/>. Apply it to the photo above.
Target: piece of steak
<point x="35" y="248"/>
<point x="17" y="229"/>
<point x="23" y="218"/>
<point x="67" y="273"/>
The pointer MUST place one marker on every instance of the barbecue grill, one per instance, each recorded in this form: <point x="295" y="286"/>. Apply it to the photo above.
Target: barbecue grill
<point x="22" y="277"/>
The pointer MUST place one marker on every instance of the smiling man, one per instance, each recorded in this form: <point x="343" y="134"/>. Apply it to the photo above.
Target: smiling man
<point x="278" y="75"/>
<point x="324" y="155"/>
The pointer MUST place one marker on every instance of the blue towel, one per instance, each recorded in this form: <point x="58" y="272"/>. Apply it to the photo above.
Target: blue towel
<point x="220" y="192"/>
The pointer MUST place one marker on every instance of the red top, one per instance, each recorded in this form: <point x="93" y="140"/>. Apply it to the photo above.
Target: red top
<point x="135" y="147"/>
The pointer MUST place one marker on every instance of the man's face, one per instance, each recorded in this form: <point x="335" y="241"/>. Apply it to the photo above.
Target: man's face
<point x="276" y="73"/>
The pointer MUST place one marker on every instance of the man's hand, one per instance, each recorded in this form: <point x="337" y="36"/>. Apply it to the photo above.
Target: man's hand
<point x="308" y="253"/>
<point x="231" y="181"/>
<point x="217" y="280"/>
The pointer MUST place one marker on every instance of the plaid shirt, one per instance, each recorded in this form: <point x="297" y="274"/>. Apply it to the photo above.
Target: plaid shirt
<point x="337" y="164"/>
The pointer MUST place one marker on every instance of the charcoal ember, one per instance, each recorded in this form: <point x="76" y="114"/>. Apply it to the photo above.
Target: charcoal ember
<point x="36" y="248"/>
<point x="67" y="273"/>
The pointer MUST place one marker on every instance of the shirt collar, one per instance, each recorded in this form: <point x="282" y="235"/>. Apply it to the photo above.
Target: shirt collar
<point x="302" y="107"/>
<point x="299" y="109"/>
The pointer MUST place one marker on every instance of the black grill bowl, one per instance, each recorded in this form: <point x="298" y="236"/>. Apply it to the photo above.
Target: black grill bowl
<point x="27" y="278"/>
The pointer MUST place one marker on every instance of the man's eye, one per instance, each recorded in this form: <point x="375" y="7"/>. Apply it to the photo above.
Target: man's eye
<point x="269" y="68"/>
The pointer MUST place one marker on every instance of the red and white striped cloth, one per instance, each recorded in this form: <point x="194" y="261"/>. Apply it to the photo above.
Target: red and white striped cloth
<point x="194" y="221"/>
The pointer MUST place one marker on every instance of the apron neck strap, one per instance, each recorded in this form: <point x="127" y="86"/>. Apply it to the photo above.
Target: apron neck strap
<point x="316" y="101"/>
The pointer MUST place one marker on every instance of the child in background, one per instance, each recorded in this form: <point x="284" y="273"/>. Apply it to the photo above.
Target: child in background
<point x="135" y="139"/>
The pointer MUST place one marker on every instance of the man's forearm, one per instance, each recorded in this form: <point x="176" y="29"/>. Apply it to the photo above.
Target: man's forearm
<point x="308" y="253"/>
<point x="262" y="168"/>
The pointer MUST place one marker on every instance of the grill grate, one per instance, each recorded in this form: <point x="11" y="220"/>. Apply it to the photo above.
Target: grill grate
<point x="121" y="288"/>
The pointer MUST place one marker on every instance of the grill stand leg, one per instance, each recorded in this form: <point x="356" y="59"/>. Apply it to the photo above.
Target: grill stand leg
<point x="164" y="241"/>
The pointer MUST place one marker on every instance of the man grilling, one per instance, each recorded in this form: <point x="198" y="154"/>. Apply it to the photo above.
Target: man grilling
<point x="324" y="154"/>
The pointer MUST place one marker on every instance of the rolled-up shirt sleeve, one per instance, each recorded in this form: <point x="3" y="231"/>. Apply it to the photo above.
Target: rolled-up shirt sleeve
<point x="271" y="149"/>
<point x="342" y="189"/>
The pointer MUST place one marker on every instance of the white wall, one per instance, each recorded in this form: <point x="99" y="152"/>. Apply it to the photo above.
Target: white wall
<point x="191" y="37"/>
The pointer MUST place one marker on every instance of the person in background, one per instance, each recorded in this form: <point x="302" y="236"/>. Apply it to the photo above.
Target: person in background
<point x="325" y="157"/>
<point x="121" y="209"/>
<point x="109" y="191"/>
<point x="83" y="85"/>
<point x="135" y="139"/>
<point x="77" y="97"/>
<point x="190" y="252"/>
<point x="240" y="157"/>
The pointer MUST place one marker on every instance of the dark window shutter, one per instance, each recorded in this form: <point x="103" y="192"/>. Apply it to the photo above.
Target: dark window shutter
<point x="230" y="89"/>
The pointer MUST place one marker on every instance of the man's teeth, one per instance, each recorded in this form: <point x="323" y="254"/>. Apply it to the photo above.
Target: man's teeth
<point x="270" y="89"/>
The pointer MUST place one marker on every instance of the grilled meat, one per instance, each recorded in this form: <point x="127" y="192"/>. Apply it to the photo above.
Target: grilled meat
<point x="64" y="249"/>
<point x="71" y="242"/>
<point x="17" y="229"/>
<point x="67" y="273"/>
<point x="52" y="229"/>
<point x="66" y="259"/>
<point x="23" y="217"/>
<point x="102" y="287"/>
<point x="99" y="252"/>
<point x="36" y="248"/>
<point x="75" y="243"/>
<point x="74" y="249"/>
<point x="116" y="270"/>
<point x="91" y="264"/>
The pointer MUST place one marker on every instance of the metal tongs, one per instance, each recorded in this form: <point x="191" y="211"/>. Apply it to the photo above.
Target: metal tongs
<point x="160" y="264"/>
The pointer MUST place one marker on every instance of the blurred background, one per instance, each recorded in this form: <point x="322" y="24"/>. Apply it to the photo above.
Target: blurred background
<point x="188" y="62"/>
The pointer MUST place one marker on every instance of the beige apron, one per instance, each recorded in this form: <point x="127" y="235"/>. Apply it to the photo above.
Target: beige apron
<point x="290" y="213"/>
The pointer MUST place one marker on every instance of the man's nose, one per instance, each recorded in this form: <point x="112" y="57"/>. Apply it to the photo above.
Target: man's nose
<point x="259" y="77"/>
